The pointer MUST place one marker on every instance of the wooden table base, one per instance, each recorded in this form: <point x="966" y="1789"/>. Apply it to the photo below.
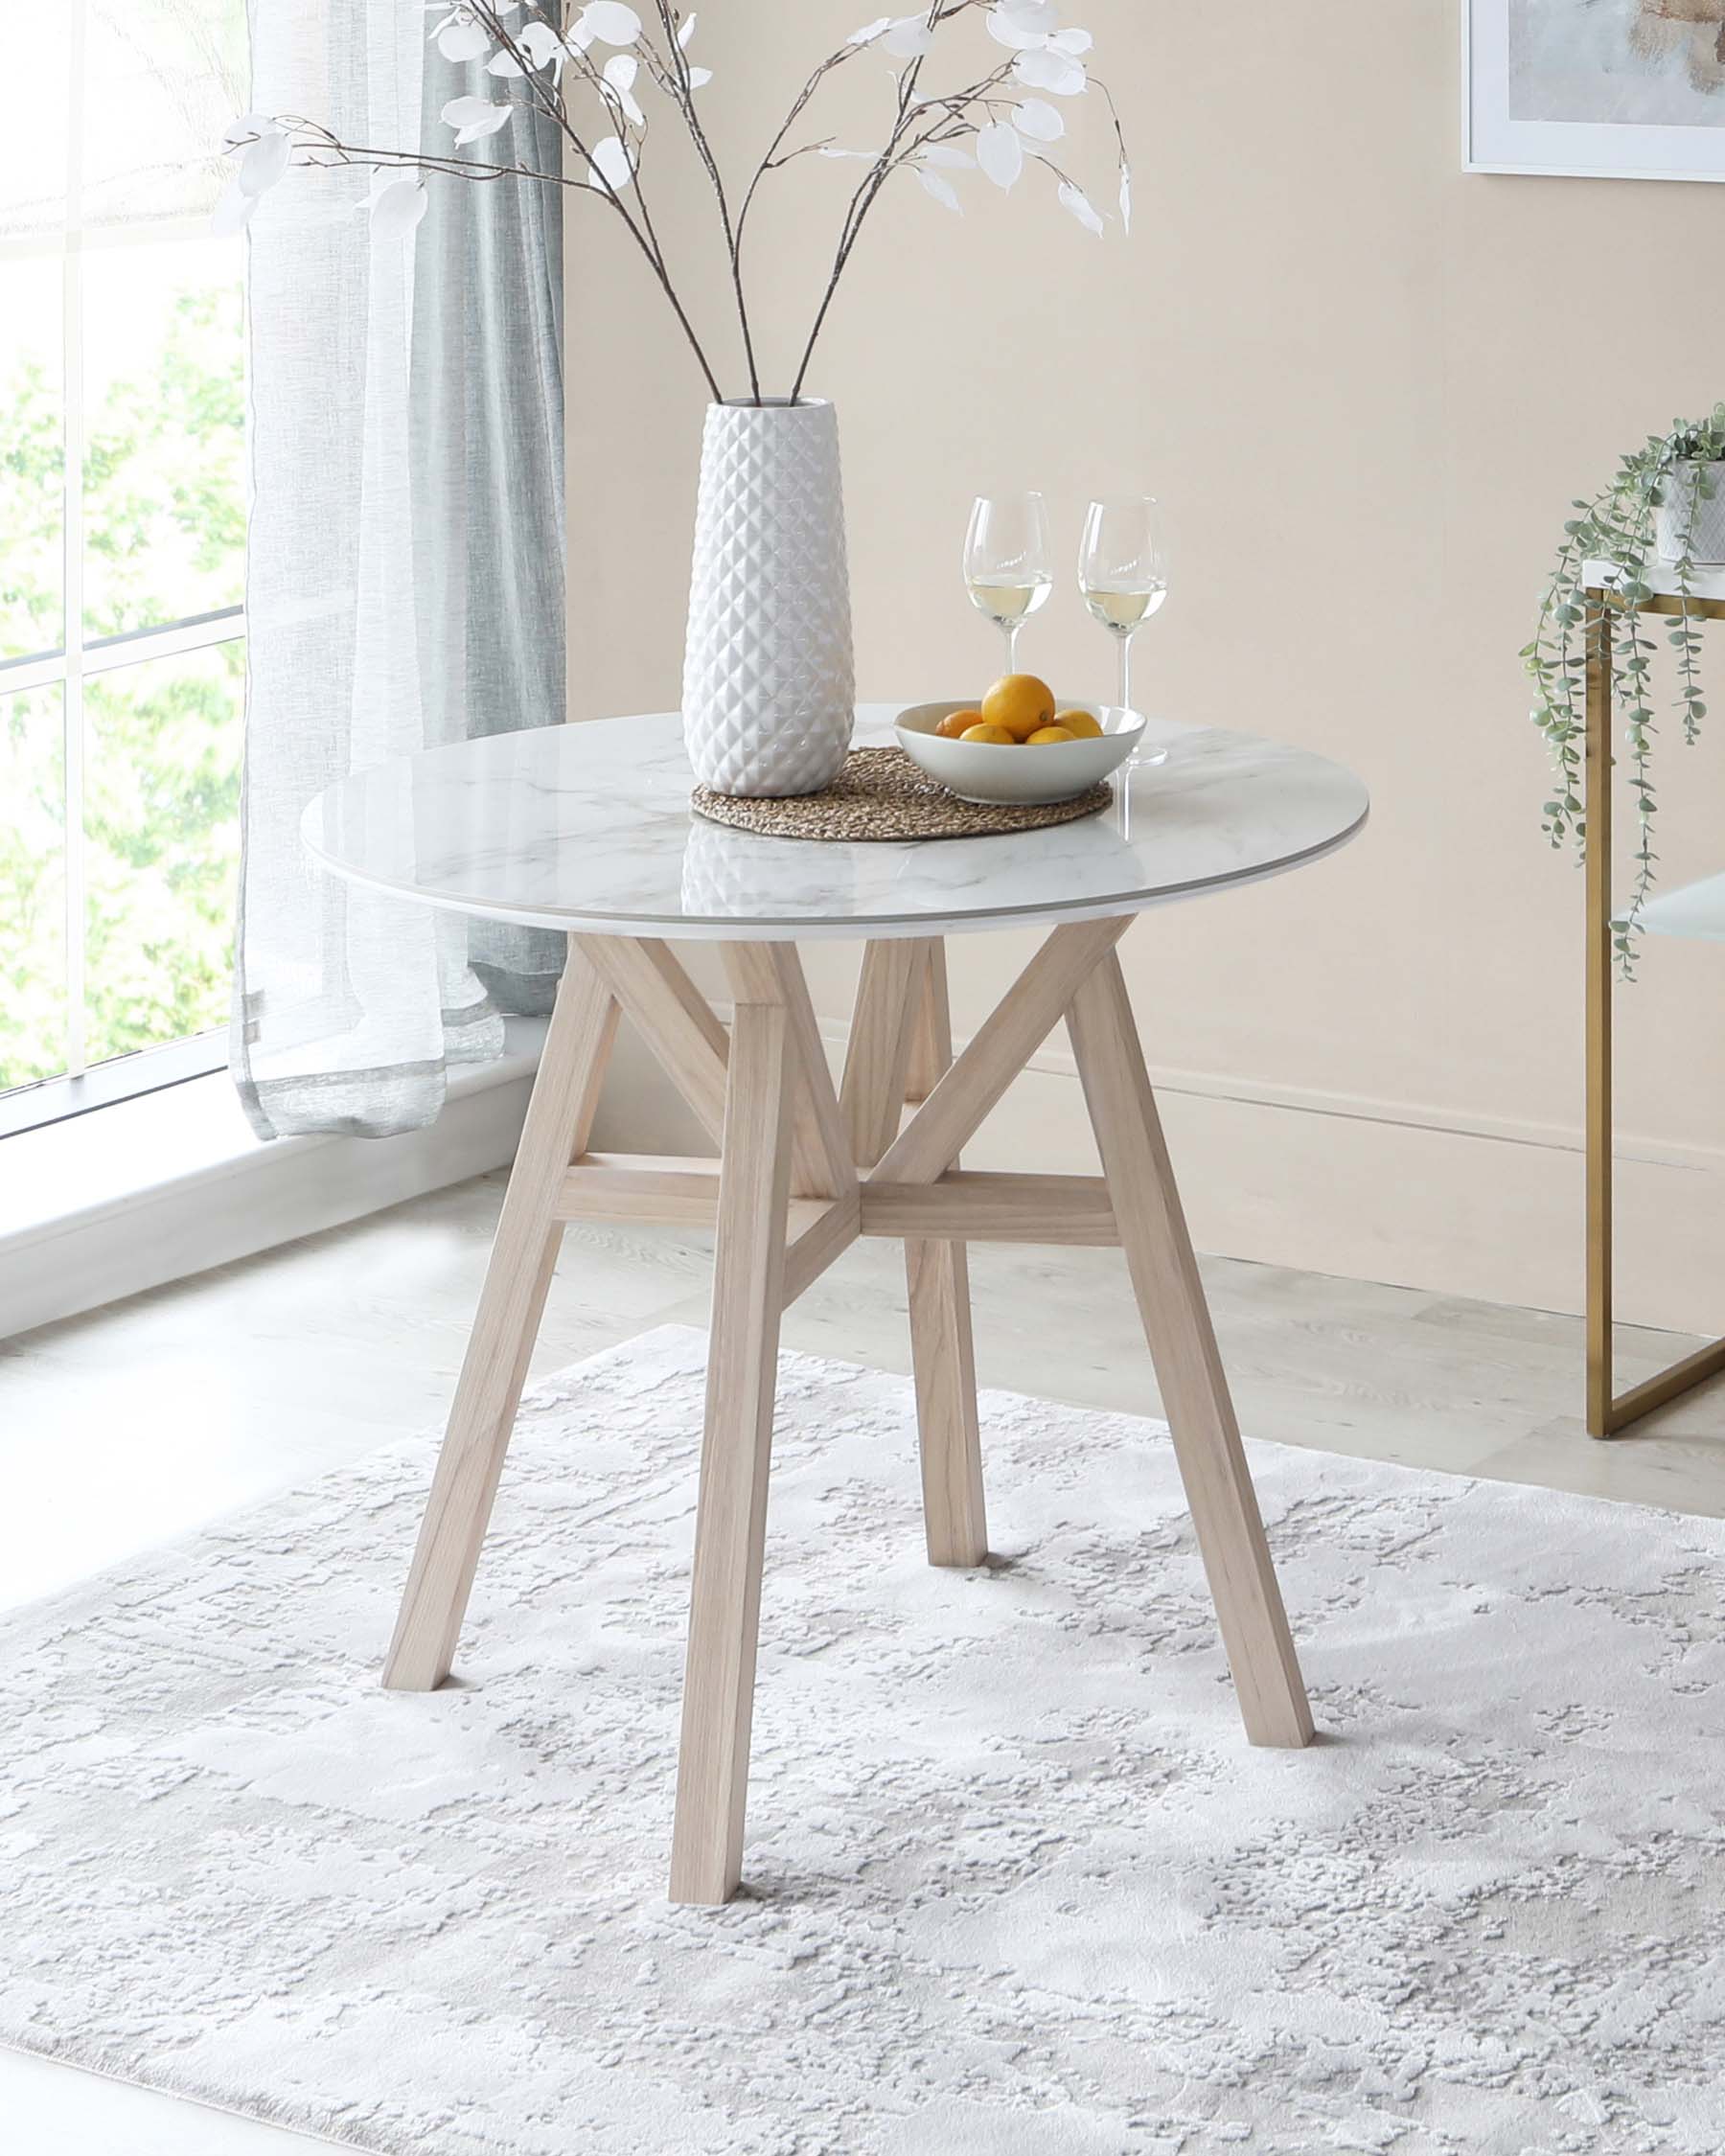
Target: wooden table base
<point x="801" y="1172"/>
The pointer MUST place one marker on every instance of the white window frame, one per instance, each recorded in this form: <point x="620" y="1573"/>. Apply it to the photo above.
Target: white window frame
<point x="170" y="1179"/>
<point x="79" y="1088"/>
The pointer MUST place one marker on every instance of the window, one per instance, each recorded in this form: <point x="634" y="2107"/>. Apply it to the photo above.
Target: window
<point x="122" y="553"/>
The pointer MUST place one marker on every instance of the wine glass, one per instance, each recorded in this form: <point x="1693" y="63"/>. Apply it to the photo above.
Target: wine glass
<point x="1008" y="563"/>
<point x="1123" y="571"/>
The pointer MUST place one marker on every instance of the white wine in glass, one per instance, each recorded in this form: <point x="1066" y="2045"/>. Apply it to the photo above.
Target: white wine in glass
<point x="1008" y="605"/>
<point x="1123" y="572"/>
<point x="1008" y="567"/>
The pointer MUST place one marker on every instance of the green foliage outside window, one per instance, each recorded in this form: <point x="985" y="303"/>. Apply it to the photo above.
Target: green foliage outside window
<point x="164" y="512"/>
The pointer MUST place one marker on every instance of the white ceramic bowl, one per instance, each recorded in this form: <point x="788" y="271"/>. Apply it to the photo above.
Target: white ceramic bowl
<point x="994" y="770"/>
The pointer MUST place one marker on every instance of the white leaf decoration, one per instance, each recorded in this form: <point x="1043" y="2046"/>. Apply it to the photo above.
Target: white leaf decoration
<point x="686" y="32"/>
<point x="869" y="30"/>
<point x="1039" y="121"/>
<point x="1058" y="73"/>
<point x="941" y="189"/>
<point x="1048" y="58"/>
<point x="611" y="22"/>
<point x="504" y="64"/>
<point x="473" y="117"/>
<point x="397" y="206"/>
<point x="239" y="132"/>
<point x="949" y="154"/>
<point x="1075" y="199"/>
<point x="699" y="78"/>
<point x="828" y="149"/>
<point x="1126" y="197"/>
<point x="233" y="212"/>
<point x="462" y="38"/>
<point x="1000" y="153"/>
<point x="611" y="169"/>
<point x="1005" y="32"/>
<point x="542" y="45"/>
<point x="620" y="72"/>
<point x="264" y="161"/>
<point x="909" y="37"/>
<point x="1031" y="18"/>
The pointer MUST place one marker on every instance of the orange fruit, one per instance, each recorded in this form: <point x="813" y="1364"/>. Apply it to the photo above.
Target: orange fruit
<point x="1078" y="723"/>
<point x="1020" y="704"/>
<point x="986" y="732"/>
<point x="957" y="724"/>
<point x="1052" y="733"/>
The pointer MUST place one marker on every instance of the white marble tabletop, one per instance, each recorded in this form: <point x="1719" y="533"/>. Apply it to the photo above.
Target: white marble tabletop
<point x="587" y="827"/>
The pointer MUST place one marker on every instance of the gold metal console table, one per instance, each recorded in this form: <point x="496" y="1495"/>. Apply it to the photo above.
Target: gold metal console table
<point x="1609" y="1412"/>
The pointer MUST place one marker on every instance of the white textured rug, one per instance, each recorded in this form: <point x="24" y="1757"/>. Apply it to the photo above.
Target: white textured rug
<point x="1017" y="1887"/>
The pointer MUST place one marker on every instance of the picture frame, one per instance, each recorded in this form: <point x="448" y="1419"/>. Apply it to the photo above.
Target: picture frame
<point x="1504" y="130"/>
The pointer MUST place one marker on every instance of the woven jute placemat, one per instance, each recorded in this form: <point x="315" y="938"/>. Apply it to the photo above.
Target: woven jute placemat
<point x="881" y="793"/>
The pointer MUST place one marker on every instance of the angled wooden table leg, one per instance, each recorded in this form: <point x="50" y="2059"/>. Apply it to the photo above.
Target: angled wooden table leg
<point x="942" y="1348"/>
<point x="931" y="1029"/>
<point x="821" y="1165"/>
<point x="565" y="1095"/>
<point x="1189" y="1368"/>
<point x="725" y="1603"/>
<point x="877" y="1063"/>
<point x="672" y="1016"/>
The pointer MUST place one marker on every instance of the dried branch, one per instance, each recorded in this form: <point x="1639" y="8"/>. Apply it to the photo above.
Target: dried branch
<point x="552" y="53"/>
<point x="890" y="159"/>
<point x="685" y="92"/>
<point x="552" y="103"/>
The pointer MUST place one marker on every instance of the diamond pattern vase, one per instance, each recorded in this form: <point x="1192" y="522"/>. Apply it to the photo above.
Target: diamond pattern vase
<point x="768" y="688"/>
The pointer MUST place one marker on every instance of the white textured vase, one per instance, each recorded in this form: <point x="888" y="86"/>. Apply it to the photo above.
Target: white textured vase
<point x="768" y="688"/>
<point x="1686" y="513"/>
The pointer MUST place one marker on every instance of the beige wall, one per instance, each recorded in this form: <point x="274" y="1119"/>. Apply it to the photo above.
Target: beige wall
<point x="1366" y="385"/>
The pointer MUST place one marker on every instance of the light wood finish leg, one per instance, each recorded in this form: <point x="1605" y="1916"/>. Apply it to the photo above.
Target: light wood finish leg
<point x="877" y="1063"/>
<point x="748" y="1284"/>
<point x="1189" y="1368"/>
<point x="942" y="1349"/>
<point x="671" y="1015"/>
<point x="1000" y="1049"/>
<point x="931" y="1039"/>
<point x="821" y="1165"/>
<point x="560" y="1118"/>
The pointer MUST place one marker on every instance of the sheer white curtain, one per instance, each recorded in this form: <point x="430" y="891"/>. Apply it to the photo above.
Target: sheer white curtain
<point x="405" y="582"/>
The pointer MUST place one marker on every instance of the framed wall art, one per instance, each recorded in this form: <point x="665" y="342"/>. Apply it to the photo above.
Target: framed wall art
<point x="1596" y="89"/>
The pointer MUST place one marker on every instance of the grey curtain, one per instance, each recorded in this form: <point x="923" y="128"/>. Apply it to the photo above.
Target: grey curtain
<point x="405" y="574"/>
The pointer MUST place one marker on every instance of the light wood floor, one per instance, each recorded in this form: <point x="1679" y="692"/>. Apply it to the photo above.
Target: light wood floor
<point x="130" y="1426"/>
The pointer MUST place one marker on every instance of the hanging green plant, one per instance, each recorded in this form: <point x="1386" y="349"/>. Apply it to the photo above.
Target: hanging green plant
<point x="1659" y="505"/>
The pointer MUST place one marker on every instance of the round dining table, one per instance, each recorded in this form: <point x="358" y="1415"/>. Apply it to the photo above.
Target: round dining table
<point x="587" y="828"/>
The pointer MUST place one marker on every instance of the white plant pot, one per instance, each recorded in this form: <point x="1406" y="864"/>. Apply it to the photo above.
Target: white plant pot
<point x="1688" y="514"/>
<point x="768" y="695"/>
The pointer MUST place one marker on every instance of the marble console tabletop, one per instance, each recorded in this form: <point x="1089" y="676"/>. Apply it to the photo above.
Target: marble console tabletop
<point x="587" y="827"/>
